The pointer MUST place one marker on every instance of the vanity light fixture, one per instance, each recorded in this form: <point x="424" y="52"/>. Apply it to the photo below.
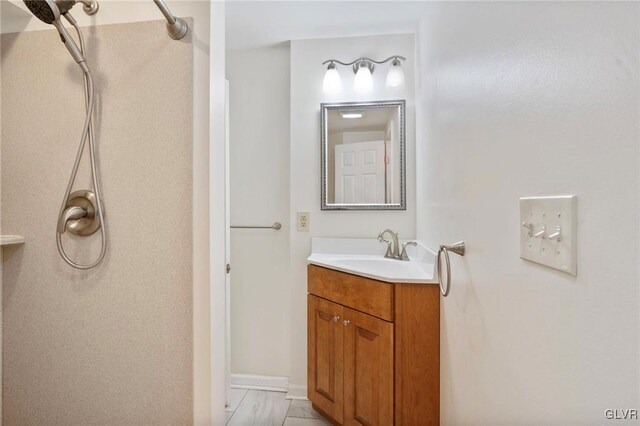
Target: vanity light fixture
<point x="363" y="69"/>
<point x="363" y="82"/>
<point x="331" y="83"/>
<point x="395" y="76"/>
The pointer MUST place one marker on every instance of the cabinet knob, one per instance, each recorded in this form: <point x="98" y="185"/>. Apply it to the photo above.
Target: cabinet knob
<point x="346" y="322"/>
<point x="336" y="318"/>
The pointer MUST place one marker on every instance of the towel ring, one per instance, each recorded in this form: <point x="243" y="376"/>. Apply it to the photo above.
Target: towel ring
<point x="457" y="248"/>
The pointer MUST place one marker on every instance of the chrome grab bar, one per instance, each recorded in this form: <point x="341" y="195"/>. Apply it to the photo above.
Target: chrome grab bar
<point x="276" y="226"/>
<point x="457" y="248"/>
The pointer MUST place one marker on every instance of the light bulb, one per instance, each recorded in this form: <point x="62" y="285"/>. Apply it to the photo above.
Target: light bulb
<point x="363" y="82"/>
<point x="351" y="113"/>
<point x="331" y="84"/>
<point x="395" y="76"/>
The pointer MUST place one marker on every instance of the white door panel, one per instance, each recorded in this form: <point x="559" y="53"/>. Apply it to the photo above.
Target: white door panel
<point x="360" y="173"/>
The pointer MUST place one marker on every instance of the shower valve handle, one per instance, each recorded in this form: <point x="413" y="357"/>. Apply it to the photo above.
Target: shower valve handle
<point x="70" y="213"/>
<point x="80" y="215"/>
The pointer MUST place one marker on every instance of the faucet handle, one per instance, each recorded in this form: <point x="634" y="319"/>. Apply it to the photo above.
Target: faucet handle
<point x="404" y="255"/>
<point x="70" y="213"/>
<point x="389" y="251"/>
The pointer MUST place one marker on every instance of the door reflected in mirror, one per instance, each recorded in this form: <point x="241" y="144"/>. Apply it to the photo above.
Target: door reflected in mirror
<point x="363" y="156"/>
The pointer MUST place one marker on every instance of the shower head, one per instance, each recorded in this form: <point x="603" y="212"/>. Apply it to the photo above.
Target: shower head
<point x="49" y="12"/>
<point x="43" y="10"/>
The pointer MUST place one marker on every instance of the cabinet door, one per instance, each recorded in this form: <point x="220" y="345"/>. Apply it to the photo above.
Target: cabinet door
<point x="368" y="370"/>
<point x="325" y="353"/>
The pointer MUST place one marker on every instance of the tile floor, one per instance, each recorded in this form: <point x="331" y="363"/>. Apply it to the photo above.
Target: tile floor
<point x="262" y="408"/>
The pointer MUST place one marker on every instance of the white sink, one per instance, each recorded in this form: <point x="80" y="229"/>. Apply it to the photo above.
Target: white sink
<point x="365" y="257"/>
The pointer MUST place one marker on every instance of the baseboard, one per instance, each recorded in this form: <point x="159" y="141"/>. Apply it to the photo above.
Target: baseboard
<point x="297" y="392"/>
<point x="267" y="383"/>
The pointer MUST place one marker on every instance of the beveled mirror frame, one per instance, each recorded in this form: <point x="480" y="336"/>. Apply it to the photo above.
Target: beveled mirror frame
<point x="324" y="145"/>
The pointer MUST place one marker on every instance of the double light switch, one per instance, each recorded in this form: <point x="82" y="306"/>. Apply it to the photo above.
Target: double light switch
<point x="548" y="231"/>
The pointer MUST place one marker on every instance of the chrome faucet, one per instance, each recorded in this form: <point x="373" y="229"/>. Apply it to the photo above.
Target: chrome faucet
<point x="391" y="253"/>
<point x="394" y="253"/>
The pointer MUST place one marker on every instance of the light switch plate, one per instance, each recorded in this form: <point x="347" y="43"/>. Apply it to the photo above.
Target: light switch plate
<point x="551" y="215"/>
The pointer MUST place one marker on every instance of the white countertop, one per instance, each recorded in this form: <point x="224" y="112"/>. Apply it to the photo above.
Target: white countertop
<point x="365" y="257"/>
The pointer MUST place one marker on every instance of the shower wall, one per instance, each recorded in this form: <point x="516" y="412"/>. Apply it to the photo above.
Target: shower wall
<point x="112" y="345"/>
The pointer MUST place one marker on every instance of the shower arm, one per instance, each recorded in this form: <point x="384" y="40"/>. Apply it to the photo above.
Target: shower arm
<point x="177" y="27"/>
<point x="90" y="7"/>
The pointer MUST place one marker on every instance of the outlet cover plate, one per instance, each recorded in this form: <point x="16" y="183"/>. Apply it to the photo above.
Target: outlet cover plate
<point x="549" y="213"/>
<point x="303" y="221"/>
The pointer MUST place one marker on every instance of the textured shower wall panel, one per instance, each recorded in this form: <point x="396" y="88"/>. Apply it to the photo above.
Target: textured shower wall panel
<point x="111" y="345"/>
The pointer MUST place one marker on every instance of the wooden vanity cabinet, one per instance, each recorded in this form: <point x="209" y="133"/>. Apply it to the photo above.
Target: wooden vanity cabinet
<point x="325" y="356"/>
<point x="373" y="350"/>
<point x="368" y="370"/>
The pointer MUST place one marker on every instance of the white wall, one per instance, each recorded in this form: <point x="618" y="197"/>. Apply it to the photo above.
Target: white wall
<point x="306" y="95"/>
<point x="259" y="164"/>
<point x="521" y="99"/>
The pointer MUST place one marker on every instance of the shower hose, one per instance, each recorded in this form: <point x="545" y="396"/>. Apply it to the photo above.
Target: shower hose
<point x="87" y="134"/>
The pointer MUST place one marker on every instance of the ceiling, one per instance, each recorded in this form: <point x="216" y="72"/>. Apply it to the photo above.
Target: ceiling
<point x="251" y="24"/>
<point x="374" y="119"/>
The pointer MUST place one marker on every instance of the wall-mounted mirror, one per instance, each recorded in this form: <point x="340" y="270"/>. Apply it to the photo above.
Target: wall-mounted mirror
<point x="363" y="156"/>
